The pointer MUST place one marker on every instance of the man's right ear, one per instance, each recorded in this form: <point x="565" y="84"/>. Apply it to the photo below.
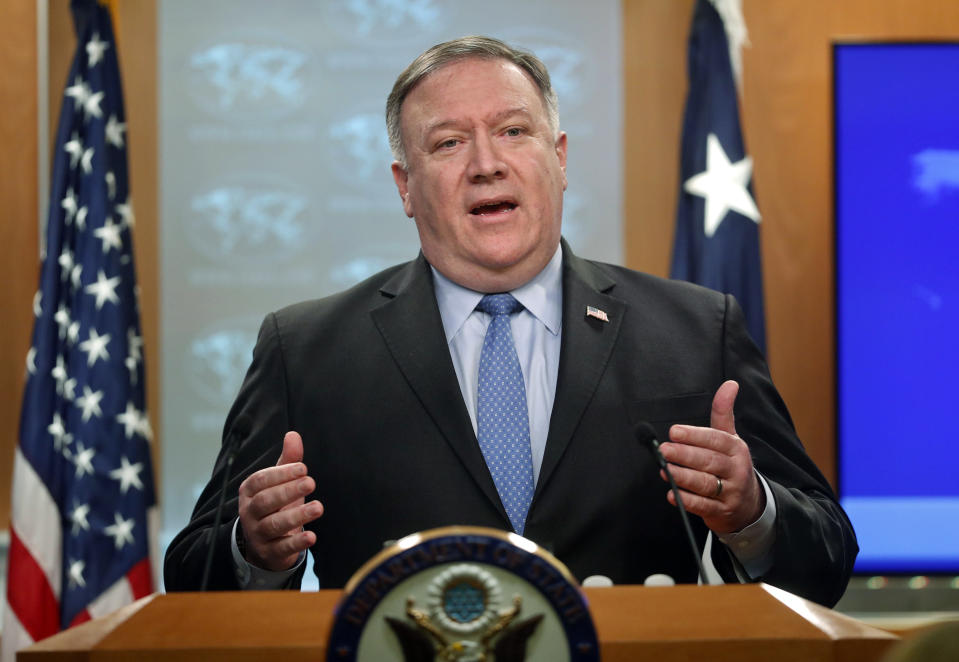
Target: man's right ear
<point x="401" y="178"/>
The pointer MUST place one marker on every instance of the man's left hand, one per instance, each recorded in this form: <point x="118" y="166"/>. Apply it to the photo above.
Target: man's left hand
<point x="713" y="468"/>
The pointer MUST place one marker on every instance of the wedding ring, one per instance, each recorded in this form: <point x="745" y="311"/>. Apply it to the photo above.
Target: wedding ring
<point x="719" y="487"/>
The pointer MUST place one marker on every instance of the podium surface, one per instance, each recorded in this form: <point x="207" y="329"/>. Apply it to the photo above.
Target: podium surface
<point x="727" y="623"/>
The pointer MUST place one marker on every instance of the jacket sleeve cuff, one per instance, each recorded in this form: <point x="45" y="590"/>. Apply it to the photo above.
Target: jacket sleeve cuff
<point x="252" y="578"/>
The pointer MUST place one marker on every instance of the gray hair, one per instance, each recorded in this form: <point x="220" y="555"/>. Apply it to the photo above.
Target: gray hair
<point x="460" y="49"/>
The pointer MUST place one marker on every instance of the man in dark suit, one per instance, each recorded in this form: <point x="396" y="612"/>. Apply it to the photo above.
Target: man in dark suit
<point x="389" y="426"/>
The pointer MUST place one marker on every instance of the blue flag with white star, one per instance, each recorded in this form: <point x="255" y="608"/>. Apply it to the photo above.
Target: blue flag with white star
<point x="717" y="221"/>
<point x="83" y="480"/>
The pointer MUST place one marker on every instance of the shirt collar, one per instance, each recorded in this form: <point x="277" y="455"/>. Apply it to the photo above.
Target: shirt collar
<point x="542" y="297"/>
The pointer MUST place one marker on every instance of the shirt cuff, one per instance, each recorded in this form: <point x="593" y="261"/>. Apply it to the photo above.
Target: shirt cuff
<point x="252" y="578"/>
<point x="752" y="546"/>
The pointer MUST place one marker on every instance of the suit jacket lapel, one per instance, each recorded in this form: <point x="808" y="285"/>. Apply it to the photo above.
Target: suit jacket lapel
<point x="587" y="344"/>
<point x="410" y="323"/>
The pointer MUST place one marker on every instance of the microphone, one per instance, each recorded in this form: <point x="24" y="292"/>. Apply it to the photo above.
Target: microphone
<point x="647" y="436"/>
<point x="241" y="428"/>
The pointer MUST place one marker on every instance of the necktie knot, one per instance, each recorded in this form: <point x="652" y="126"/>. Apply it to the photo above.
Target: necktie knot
<point x="499" y="304"/>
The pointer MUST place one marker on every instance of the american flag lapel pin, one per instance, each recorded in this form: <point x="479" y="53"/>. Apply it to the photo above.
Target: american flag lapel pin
<point x="597" y="313"/>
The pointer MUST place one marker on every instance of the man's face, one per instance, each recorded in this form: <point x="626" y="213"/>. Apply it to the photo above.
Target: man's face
<point x="485" y="175"/>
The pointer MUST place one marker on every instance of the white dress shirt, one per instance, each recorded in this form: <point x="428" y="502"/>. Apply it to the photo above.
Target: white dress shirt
<point x="537" y="330"/>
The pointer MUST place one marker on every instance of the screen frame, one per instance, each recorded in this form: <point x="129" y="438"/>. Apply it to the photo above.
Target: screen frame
<point x="837" y="45"/>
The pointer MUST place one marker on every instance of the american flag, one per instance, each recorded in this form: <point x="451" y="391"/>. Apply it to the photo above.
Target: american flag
<point x="83" y="480"/>
<point x="717" y="221"/>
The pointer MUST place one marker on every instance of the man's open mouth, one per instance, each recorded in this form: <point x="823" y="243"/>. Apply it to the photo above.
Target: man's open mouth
<point x="492" y="208"/>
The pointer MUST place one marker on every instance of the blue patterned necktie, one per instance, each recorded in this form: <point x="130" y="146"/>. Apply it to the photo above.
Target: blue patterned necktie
<point x="502" y="419"/>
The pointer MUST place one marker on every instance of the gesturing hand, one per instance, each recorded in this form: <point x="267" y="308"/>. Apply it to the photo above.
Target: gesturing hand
<point x="273" y="509"/>
<point x="713" y="468"/>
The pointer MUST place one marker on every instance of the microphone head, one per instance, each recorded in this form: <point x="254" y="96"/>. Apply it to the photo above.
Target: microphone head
<point x="237" y="436"/>
<point x="646" y="435"/>
<point x="242" y="425"/>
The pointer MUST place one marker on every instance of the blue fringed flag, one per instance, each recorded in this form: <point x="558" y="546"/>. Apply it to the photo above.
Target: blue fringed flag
<point x="717" y="221"/>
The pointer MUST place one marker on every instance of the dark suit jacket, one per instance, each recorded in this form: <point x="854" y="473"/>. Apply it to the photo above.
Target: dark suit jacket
<point x="366" y="377"/>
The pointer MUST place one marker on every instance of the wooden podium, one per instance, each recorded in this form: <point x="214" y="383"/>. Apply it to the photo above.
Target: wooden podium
<point x="729" y="623"/>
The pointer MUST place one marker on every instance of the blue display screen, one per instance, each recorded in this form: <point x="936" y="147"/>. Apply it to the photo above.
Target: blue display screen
<point x="897" y="302"/>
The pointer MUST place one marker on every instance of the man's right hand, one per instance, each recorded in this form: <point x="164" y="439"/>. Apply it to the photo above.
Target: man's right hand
<point x="273" y="510"/>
